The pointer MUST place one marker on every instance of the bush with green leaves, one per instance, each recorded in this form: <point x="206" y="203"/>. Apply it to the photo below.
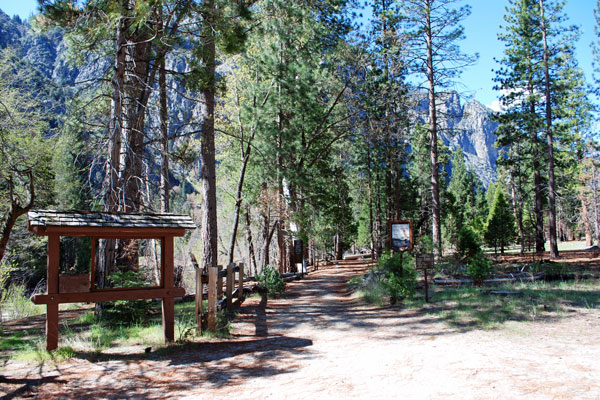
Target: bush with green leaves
<point x="270" y="280"/>
<point x="126" y="311"/>
<point x="400" y="277"/>
<point x="478" y="268"/>
<point x="468" y="245"/>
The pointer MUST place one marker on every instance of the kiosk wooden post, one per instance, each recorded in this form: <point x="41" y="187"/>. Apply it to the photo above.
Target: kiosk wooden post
<point x="168" y="302"/>
<point x="52" y="289"/>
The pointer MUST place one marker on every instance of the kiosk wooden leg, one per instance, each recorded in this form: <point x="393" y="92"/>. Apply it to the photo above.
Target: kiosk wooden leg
<point x="168" y="304"/>
<point x="52" y="326"/>
<point x="168" y="319"/>
<point x="53" y="261"/>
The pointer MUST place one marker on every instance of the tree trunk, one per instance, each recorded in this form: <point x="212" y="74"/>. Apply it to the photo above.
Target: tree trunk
<point x="164" y="140"/>
<point x="15" y="211"/>
<point x="537" y="182"/>
<point x="517" y="211"/>
<point x="549" y="139"/>
<point x="207" y="148"/>
<point x="105" y="256"/>
<point x="251" y="252"/>
<point x="595" y="197"/>
<point x="435" y="184"/>
<point x="370" y="189"/>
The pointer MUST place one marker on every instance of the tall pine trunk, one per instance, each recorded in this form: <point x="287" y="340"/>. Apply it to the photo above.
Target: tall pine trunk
<point x="537" y="182"/>
<point x="517" y="210"/>
<point x="435" y="184"/>
<point x="207" y="148"/>
<point x="164" y="140"/>
<point x="549" y="139"/>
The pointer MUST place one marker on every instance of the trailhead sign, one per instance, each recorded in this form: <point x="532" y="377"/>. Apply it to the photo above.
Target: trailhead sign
<point x="401" y="237"/>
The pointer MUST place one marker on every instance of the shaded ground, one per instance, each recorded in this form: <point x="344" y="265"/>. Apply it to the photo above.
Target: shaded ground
<point x="319" y="342"/>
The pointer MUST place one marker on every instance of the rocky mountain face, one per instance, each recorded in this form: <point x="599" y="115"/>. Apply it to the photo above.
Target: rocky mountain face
<point x="46" y="54"/>
<point x="468" y="126"/>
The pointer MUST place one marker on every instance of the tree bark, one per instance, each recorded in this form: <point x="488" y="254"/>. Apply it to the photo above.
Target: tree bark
<point x="537" y="181"/>
<point x="15" y="211"/>
<point x="207" y="148"/>
<point x="549" y="139"/>
<point x="517" y="211"/>
<point x="435" y="184"/>
<point x="238" y="205"/>
<point x="595" y="198"/>
<point x="164" y="140"/>
<point x="585" y="216"/>
<point x="251" y="252"/>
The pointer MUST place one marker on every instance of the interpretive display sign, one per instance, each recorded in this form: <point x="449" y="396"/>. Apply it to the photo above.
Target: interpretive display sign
<point x="401" y="237"/>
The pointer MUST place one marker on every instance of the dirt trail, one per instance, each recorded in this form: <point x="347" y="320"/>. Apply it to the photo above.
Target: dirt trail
<point x="319" y="342"/>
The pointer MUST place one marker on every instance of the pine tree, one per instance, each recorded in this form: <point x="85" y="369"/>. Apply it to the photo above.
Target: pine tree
<point x="291" y="104"/>
<point x="534" y="76"/>
<point x="435" y="31"/>
<point x="500" y="230"/>
<point x="468" y="194"/>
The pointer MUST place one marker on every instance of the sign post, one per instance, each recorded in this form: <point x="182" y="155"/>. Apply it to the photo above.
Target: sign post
<point x="425" y="262"/>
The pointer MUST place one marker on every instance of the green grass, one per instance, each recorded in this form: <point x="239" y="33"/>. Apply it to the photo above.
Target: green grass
<point x="18" y="340"/>
<point x="562" y="246"/>
<point x="88" y="336"/>
<point x="478" y="308"/>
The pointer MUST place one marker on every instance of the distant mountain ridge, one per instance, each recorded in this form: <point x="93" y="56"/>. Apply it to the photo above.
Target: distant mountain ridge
<point x="467" y="125"/>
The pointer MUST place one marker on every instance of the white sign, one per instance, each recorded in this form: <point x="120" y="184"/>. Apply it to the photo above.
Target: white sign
<point x="401" y="235"/>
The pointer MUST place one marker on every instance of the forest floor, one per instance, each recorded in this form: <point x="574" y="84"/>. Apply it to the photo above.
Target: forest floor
<point x="321" y="341"/>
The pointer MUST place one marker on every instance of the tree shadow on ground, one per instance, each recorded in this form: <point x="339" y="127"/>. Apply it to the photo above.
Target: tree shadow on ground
<point x="469" y="308"/>
<point x="23" y="385"/>
<point x="324" y="301"/>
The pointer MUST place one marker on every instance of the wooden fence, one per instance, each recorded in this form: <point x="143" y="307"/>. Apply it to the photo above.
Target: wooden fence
<point x="213" y="281"/>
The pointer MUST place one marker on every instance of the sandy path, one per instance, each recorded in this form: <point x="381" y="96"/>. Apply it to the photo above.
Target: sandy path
<point x="320" y="343"/>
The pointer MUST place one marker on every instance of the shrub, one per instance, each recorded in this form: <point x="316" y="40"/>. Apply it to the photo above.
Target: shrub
<point x="270" y="280"/>
<point x="126" y="311"/>
<point x="468" y="243"/>
<point x="478" y="268"/>
<point x="400" y="277"/>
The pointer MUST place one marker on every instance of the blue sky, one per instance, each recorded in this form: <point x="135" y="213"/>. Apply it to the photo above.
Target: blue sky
<point x="481" y="28"/>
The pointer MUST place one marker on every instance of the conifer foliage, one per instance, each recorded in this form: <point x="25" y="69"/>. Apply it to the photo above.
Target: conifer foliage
<point x="500" y="230"/>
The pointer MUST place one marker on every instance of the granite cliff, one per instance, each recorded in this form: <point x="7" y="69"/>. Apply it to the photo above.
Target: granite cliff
<point x="467" y="125"/>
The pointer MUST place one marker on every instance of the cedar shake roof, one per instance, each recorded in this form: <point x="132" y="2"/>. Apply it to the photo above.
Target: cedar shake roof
<point x="109" y="220"/>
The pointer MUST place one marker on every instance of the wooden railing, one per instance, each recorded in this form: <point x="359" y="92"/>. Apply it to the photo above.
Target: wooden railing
<point x="213" y="280"/>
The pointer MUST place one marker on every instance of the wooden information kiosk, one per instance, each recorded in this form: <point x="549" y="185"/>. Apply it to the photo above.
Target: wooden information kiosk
<point x="99" y="225"/>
